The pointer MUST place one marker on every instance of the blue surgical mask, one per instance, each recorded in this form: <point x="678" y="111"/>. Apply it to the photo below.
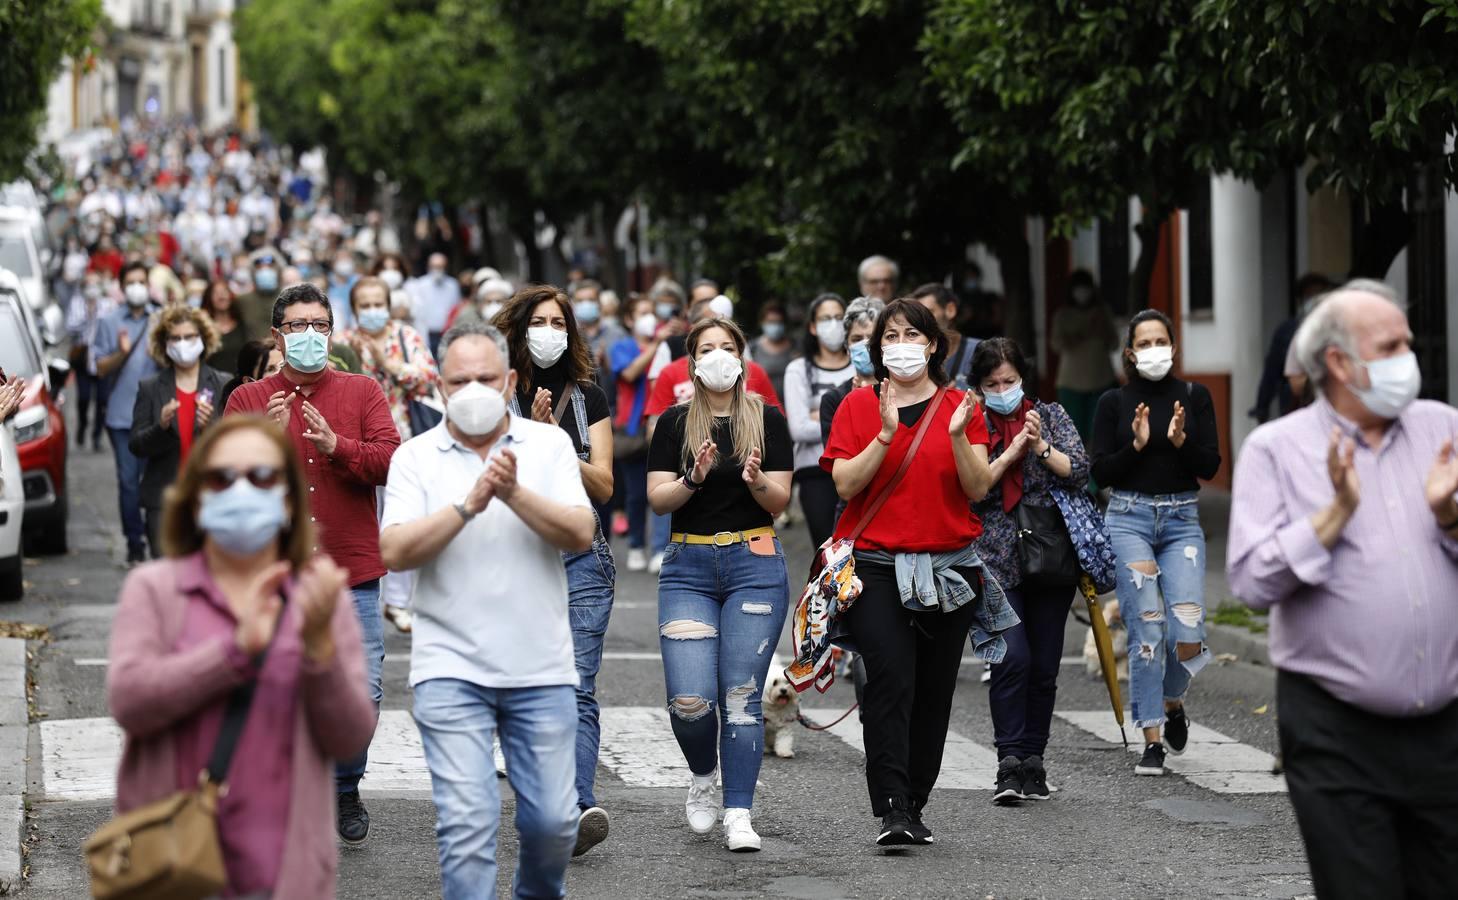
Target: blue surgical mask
<point x="1006" y="402"/>
<point x="266" y="280"/>
<point x="665" y="311"/>
<point x="860" y="354"/>
<point x="306" y="352"/>
<point x="587" y="311"/>
<point x="243" y="519"/>
<point x="374" y="318"/>
<point x="774" y="330"/>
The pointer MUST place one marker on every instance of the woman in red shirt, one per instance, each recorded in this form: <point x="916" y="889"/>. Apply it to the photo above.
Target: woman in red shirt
<point x="924" y="587"/>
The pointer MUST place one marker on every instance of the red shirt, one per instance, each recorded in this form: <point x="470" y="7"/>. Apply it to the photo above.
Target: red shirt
<point x="186" y="415"/>
<point x="341" y="487"/>
<point x="674" y="386"/>
<point x="109" y="262"/>
<point x="927" y="513"/>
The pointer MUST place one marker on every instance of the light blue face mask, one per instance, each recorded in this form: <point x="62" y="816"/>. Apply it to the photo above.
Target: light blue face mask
<point x="860" y="354"/>
<point x="666" y="311"/>
<point x="374" y="318"/>
<point x="1006" y="402"/>
<point x="587" y="311"/>
<point x="243" y="519"/>
<point x="266" y="280"/>
<point x="306" y="352"/>
<point x="774" y="330"/>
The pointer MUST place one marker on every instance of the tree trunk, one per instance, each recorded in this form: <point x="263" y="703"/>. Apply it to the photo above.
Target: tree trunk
<point x="1017" y="278"/>
<point x="1139" y="280"/>
<point x="1382" y="236"/>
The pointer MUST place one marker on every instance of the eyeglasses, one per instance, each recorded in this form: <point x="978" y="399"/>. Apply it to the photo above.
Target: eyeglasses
<point x="323" y="326"/>
<point x="224" y="477"/>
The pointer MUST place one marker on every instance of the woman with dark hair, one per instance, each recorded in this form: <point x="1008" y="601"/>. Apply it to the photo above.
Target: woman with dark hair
<point x="1154" y="440"/>
<point x="256" y="361"/>
<point x="555" y="382"/>
<point x="774" y="349"/>
<point x="824" y="364"/>
<point x="924" y="587"/>
<point x="719" y="464"/>
<point x="233" y="332"/>
<point x="392" y="269"/>
<point x="1035" y="451"/>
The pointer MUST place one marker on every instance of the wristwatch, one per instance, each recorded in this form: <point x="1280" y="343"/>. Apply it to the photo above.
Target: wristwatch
<point x="466" y="515"/>
<point x="1046" y="453"/>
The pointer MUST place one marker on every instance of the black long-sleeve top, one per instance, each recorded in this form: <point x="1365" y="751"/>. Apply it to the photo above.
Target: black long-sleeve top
<point x="1159" y="468"/>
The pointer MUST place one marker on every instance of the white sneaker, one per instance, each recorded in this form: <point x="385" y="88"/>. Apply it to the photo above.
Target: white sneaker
<point x="400" y="617"/>
<point x="986" y="672"/>
<point x="500" y="758"/>
<point x="655" y="565"/>
<point x="702" y="805"/>
<point x="739" y="835"/>
<point x="637" y="559"/>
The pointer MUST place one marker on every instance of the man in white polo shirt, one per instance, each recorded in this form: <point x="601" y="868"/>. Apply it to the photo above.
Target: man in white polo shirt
<point x="482" y="506"/>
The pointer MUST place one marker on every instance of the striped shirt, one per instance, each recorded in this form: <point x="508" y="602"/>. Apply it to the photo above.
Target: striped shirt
<point x="1374" y="620"/>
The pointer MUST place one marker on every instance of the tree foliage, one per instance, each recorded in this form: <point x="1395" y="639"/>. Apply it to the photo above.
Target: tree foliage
<point x="36" y="39"/>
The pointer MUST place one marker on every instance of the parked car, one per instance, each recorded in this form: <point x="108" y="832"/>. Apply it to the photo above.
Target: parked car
<point x="12" y="518"/>
<point x="22" y="255"/>
<point x="39" y="427"/>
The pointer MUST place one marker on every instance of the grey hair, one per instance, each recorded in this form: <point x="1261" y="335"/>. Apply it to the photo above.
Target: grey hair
<point x="474" y="327"/>
<point x="1327" y="325"/>
<point x="862" y="308"/>
<point x="877" y="260"/>
<point x="669" y="287"/>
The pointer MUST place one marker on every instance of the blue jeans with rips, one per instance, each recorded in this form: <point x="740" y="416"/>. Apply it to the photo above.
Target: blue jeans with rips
<point x="1162" y="610"/>
<point x="347" y="773"/>
<point x="720" y="612"/>
<point x="457" y="721"/>
<point x="590" y="579"/>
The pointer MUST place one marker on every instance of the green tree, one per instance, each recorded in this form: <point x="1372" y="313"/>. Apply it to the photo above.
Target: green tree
<point x="36" y="39"/>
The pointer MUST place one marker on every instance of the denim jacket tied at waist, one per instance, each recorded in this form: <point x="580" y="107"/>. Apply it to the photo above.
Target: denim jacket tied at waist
<point x="928" y="581"/>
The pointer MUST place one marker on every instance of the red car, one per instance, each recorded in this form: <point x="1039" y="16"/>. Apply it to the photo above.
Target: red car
<point x="40" y="429"/>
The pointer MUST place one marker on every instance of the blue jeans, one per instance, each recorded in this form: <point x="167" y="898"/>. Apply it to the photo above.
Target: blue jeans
<point x="635" y="501"/>
<point x="128" y="489"/>
<point x="347" y="773"/>
<point x="720" y="611"/>
<point x="1164" y="610"/>
<point x="457" y="721"/>
<point x="590" y="578"/>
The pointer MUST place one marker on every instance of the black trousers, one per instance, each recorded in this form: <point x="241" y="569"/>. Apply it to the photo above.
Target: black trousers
<point x="818" y="500"/>
<point x="911" y="673"/>
<point x="1376" y="797"/>
<point x="1025" y="684"/>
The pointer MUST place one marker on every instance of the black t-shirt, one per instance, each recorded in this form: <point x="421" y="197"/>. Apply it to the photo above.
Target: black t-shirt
<point x="1159" y="468"/>
<point x="725" y="502"/>
<point x="555" y="380"/>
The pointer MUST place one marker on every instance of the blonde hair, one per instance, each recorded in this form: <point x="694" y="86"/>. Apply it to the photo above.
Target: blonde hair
<point x="172" y="316"/>
<point x="746" y="410"/>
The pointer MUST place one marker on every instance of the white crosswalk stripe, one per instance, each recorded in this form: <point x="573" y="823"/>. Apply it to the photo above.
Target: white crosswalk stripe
<point x="1211" y="760"/>
<point x="966" y="764"/>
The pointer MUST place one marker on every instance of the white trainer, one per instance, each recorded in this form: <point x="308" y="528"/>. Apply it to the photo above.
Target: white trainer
<point x="702" y="805"/>
<point x="739" y="834"/>
<point x="499" y="758"/>
<point x="637" y="560"/>
<point x="655" y="565"/>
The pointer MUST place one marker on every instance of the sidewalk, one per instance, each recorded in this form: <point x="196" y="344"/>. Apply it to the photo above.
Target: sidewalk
<point x="14" y="731"/>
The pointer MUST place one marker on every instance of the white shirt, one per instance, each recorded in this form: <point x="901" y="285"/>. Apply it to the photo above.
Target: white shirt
<point x="492" y="608"/>
<point x="434" y="300"/>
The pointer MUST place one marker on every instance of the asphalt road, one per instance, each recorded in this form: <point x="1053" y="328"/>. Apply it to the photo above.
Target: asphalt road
<point x="1106" y="833"/>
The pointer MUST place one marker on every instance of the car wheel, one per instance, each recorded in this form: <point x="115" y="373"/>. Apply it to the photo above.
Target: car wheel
<point x="12" y="579"/>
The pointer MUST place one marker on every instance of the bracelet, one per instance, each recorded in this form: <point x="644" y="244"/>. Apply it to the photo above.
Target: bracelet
<point x="690" y="483"/>
<point x="881" y="442"/>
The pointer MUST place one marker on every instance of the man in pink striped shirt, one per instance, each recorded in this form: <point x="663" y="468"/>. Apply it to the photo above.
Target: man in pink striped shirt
<point x="1344" y="523"/>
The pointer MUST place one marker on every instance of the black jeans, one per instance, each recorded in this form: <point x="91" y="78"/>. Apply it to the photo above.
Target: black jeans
<point x="911" y="673"/>
<point x="1376" y="797"/>
<point x="818" y="500"/>
<point x="1025" y="683"/>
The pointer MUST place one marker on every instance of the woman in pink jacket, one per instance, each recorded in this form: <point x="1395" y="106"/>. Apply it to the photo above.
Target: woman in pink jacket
<point x="242" y="596"/>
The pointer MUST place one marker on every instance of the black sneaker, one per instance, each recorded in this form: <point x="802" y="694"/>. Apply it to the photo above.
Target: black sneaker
<point x="1035" y="779"/>
<point x="592" y="829"/>
<point x="354" y="820"/>
<point x="136" y="556"/>
<point x="1152" y="763"/>
<point x="1176" y="730"/>
<point x="896" y="825"/>
<point x="1009" y="788"/>
<point x="921" y="835"/>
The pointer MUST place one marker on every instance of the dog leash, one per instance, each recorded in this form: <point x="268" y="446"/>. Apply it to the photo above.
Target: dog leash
<point x="806" y="722"/>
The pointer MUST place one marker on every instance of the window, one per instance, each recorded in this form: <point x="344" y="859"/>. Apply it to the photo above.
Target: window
<point x="15" y="255"/>
<point x="1114" y="262"/>
<point x="17" y="351"/>
<point x="1201" y="263"/>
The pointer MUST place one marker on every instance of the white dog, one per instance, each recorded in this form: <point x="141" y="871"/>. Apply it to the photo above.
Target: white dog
<point x="781" y="706"/>
<point x="1118" y="635"/>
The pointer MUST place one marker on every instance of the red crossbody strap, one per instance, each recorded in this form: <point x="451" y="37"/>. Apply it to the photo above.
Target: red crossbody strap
<point x="881" y="498"/>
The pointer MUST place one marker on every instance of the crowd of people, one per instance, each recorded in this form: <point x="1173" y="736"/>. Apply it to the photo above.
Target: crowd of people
<point x="314" y="452"/>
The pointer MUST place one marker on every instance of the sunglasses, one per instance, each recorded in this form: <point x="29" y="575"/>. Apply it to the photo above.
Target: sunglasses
<point x="261" y="477"/>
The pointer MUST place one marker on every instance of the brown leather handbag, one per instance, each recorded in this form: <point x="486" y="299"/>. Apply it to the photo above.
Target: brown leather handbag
<point x="169" y="849"/>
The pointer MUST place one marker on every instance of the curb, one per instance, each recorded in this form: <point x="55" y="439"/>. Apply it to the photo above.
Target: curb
<point x="14" y="734"/>
<point x="1243" y="643"/>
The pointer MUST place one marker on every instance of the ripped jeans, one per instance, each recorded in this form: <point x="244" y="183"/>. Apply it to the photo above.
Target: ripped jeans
<point x="720" y="613"/>
<point x="1161" y="587"/>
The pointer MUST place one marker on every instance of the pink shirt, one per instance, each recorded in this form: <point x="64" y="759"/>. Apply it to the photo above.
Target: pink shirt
<point x="258" y="779"/>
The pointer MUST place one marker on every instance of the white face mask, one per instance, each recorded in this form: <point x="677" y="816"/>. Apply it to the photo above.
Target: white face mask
<point x="392" y="278"/>
<point x="904" y="360"/>
<point x="1395" y="382"/>
<point x="546" y="344"/>
<point x="476" y="409"/>
<point x="646" y="326"/>
<point x="831" y="334"/>
<point x="719" y="370"/>
<point x="1154" y="362"/>
<point x="185" y="352"/>
<point x="136" y="294"/>
<point x="491" y="310"/>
